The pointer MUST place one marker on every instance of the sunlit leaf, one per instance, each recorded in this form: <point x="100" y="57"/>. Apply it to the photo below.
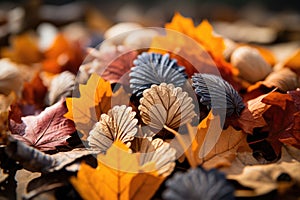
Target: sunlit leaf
<point x="95" y="99"/>
<point x="196" y="48"/>
<point x="118" y="176"/>
<point x="24" y="49"/>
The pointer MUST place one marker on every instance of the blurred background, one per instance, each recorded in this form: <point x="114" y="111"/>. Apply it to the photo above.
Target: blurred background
<point x="263" y="22"/>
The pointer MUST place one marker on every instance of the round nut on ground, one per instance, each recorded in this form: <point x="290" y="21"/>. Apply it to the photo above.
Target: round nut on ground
<point x="250" y="63"/>
<point x="117" y="33"/>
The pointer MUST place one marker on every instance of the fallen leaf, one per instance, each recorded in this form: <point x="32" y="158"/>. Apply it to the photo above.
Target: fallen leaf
<point x="118" y="176"/>
<point x="112" y="63"/>
<point x="165" y="106"/>
<point x="24" y="49"/>
<point x="118" y="124"/>
<point x="62" y="85"/>
<point x="252" y="116"/>
<point x="293" y="62"/>
<point x="5" y="102"/>
<point x="217" y="94"/>
<point x="198" y="184"/>
<point x="263" y="179"/>
<point x="95" y="99"/>
<point x="153" y="68"/>
<point x="283" y="119"/>
<point x="10" y="78"/>
<point x="45" y="131"/>
<point x="62" y="55"/>
<point x="215" y="147"/>
<point x="211" y="146"/>
<point x="34" y="92"/>
<point x="36" y="161"/>
<point x="196" y="48"/>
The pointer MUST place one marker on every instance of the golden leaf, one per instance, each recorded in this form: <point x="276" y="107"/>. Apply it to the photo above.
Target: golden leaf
<point x="24" y="49"/>
<point x="62" y="55"/>
<point x="210" y="145"/>
<point x="293" y="62"/>
<point x="95" y="99"/>
<point x="118" y="176"/>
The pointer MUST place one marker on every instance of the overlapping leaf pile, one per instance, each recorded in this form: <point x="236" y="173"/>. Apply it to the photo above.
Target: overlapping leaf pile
<point x="140" y="124"/>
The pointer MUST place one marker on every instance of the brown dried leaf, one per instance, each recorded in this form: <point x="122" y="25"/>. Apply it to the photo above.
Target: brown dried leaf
<point x="263" y="179"/>
<point x="210" y="145"/>
<point x="214" y="147"/>
<point x="252" y="116"/>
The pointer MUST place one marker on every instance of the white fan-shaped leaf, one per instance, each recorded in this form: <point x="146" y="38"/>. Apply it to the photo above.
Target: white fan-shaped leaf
<point x="118" y="124"/>
<point x="166" y="105"/>
<point x="159" y="152"/>
<point x="61" y="86"/>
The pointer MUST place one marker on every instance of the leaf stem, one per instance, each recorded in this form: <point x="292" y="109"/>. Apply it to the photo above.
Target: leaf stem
<point x="183" y="145"/>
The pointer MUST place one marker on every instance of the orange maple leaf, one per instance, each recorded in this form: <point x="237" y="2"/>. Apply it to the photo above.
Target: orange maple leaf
<point x="95" y="99"/>
<point x="24" y="49"/>
<point x="209" y="145"/>
<point x="293" y="62"/>
<point x="62" y="55"/>
<point x="34" y="92"/>
<point x="118" y="176"/>
<point x="196" y="48"/>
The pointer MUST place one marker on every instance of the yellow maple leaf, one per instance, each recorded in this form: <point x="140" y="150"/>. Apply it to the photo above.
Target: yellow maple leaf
<point x="95" y="99"/>
<point x="118" y="176"/>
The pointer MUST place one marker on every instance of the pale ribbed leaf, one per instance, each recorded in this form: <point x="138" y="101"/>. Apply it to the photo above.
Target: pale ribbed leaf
<point x="152" y="68"/>
<point x="159" y="152"/>
<point x="118" y="124"/>
<point x="166" y="105"/>
<point x="61" y="86"/>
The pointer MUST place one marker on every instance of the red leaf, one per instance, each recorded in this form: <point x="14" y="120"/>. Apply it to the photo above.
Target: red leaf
<point x="283" y="119"/>
<point x="46" y="130"/>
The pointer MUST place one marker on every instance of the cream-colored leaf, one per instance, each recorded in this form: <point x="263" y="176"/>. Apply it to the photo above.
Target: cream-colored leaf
<point x="285" y="79"/>
<point x="262" y="179"/>
<point x="165" y="105"/>
<point x="159" y="152"/>
<point x="118" y="124"/>
<point x="61" y="85"/>
<point x="10" y="78"/>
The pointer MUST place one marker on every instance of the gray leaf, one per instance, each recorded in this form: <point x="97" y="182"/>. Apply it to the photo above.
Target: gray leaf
<point x="217" y="94"/>
<point x="198" y="184"/>
<point x="152" y="68"/>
